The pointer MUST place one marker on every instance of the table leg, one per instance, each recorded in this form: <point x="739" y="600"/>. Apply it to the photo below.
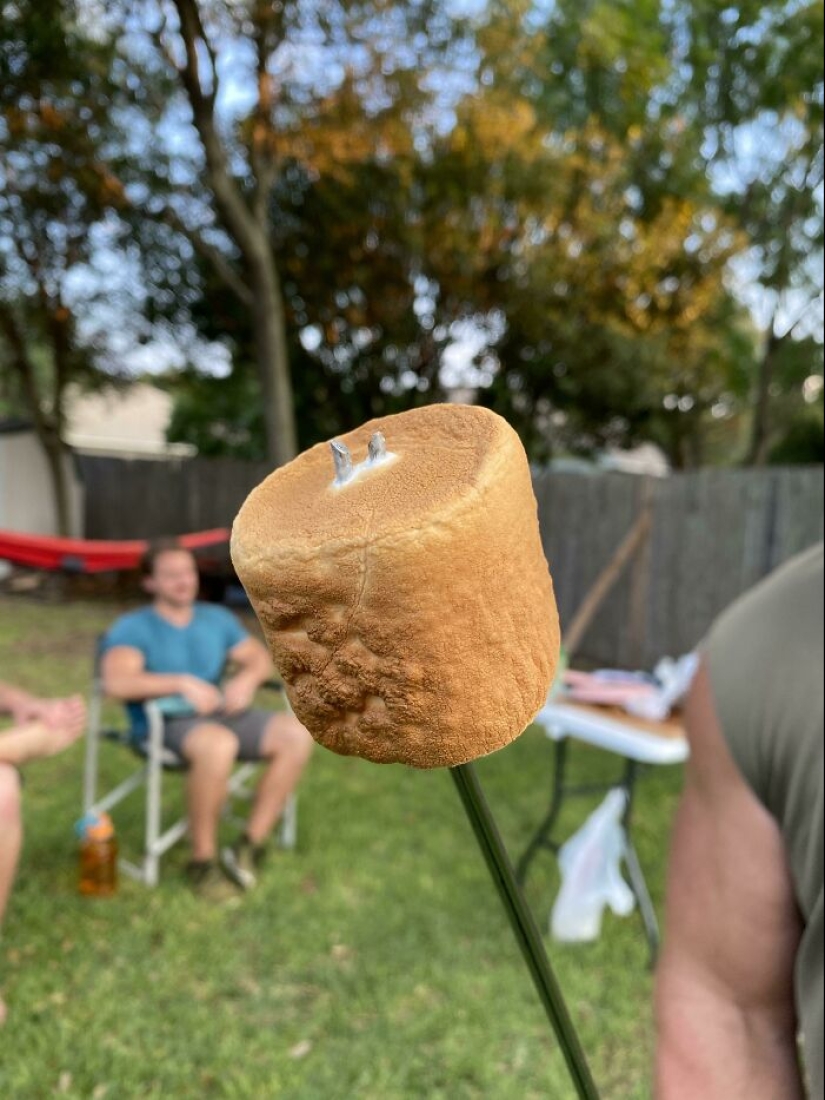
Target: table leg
<point x="634" y="869"/>
<point x="541" y="837"/>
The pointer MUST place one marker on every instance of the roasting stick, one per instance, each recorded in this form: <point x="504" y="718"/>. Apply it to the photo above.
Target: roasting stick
<point x="484" y="826"/>
<point x="524" y="927"/>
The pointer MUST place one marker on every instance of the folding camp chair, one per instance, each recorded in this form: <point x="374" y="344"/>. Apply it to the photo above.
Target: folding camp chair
<point x="155" y="759"/>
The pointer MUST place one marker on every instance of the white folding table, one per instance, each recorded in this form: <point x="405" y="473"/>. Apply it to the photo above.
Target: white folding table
<point x="639" y="743"/>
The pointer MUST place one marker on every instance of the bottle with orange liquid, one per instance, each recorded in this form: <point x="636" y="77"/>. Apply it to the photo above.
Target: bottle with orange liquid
<point x="98" y="856"/>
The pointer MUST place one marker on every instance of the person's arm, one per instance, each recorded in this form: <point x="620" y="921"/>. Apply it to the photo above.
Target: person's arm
<point x="724" y="990"/>
<point x="14" y="701"/>
<point x="253" y="666"/>
<point x="125" y="678"/>
<point x="62" y="725"/>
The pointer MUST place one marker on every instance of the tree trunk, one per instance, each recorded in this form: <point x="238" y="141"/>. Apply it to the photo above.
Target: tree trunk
<point x="246" y="220"/>
<point x="269" y="321"/>
<point x="55" y="451"/>
<point x="760" y="428"/>
<point x="48" y="431"/>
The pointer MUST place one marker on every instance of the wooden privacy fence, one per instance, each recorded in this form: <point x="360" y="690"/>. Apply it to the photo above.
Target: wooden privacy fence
<point x="713" y="533"/>
<point x="146" y="498"/>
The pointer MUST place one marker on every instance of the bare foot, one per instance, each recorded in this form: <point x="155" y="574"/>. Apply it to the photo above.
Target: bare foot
<point x="3" y="1012"/>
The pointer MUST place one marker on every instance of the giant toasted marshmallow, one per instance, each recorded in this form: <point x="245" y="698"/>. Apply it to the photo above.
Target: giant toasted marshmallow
<point x="402" y="589"/>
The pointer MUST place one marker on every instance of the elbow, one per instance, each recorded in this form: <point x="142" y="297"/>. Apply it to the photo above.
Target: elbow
<point x="671" y="1064"/>
<point x="113" y="688"/>
<point x="712" y="1041"/>
<point x="675" y="1070"/>
<point x="679" y="1072"/>
<point x="109" y="690"/>
<point x="262" y="668"/>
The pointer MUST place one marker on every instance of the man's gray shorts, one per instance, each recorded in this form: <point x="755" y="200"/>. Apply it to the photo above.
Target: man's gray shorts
<point x="249" y="728"/>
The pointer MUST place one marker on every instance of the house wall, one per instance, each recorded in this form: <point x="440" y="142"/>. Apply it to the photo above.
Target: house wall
<point x="129" y="421"/>
<point x="26" y="498"/>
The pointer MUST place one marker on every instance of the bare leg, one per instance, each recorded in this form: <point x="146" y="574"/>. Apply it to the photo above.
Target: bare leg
<point x="286" y="746"/>
<point x="11" y="839"/>
<point x="210" y="751"/>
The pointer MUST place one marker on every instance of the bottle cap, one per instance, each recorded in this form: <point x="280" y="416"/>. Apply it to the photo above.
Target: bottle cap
<point x="95" y="827"/>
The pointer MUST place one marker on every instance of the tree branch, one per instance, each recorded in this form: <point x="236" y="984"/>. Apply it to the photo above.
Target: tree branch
<point x="231" y="205"/>
<point x="193" y="34"/>
<point x="814" y="296"/>
<point x="261" y="146"/>
<point x="219" y="264"/>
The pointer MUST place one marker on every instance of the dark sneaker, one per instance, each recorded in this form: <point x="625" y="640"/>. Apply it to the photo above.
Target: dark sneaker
<point x="242" y="862"/>
<point x="210" y="883"/>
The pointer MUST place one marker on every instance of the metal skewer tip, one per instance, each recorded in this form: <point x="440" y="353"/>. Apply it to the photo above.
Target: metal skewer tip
<point x="343" y="462"/>
<point x="377" y="448"/>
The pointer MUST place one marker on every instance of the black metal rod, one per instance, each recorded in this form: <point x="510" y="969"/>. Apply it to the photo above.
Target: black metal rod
<point x="527" y="934"/>
<point x="543" y="837"/>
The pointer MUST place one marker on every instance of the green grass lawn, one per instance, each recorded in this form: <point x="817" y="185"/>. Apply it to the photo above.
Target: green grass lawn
<point x="373" y="962"/>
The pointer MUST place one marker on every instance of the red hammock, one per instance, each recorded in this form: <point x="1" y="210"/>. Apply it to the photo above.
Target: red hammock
<point x="89" y="556"/>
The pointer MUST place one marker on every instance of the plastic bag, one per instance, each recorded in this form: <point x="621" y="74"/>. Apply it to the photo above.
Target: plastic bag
<point x="674" y="678"/>
<point x="591" y="876"/>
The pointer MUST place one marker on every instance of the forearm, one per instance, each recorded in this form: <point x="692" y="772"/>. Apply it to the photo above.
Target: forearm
<point x="255" y="671"/>
<point x="711" y="1046"/>
<point x="20" y="744"/>
<point x="143" y="685"/>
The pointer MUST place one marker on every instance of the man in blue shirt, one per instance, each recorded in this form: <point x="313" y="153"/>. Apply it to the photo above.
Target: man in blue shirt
<point x="176" y="651"/>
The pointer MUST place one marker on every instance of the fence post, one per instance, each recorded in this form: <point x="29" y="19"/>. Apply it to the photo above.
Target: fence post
<point x="637" y="617"/>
